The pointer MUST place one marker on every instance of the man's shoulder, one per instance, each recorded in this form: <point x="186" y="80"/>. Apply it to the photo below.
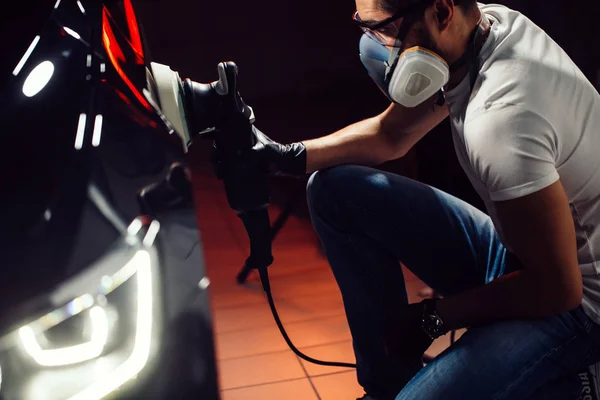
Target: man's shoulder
<point x="507" y="82"/>
<point x="522" y="64"/>
<point x="502" y="125"/>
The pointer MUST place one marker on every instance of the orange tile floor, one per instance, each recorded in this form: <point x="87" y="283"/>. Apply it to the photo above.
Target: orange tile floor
<point x="254" y="361"/>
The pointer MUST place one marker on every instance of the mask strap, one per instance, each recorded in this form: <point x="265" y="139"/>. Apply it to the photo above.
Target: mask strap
<point x="472" y="48"/>
<point x="392" y="61"/>
<point x="405" y="26"/>
<point x="478" y="41"/>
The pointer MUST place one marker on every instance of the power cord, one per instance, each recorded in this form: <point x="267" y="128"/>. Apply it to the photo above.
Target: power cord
<point x="264" y="278"/>
<point x="257" y="225"/>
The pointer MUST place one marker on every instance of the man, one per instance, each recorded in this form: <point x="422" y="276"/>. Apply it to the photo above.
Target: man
<point x="525" y="280"/>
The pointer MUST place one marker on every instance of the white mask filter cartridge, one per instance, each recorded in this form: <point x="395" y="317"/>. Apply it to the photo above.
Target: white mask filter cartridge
<point x="418" y="75"/>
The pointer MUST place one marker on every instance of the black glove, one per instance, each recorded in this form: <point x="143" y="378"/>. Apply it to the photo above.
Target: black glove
<point x="267" y="156"/>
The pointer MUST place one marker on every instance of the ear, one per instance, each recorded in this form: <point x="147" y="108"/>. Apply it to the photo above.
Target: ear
<point x="443" y="12"/>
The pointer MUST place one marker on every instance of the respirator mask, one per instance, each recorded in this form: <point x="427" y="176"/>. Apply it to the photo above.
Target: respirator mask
<point x="413" y="76"/>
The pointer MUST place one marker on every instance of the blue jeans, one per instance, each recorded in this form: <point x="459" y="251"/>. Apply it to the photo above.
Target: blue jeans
<point x="368" y="222"/>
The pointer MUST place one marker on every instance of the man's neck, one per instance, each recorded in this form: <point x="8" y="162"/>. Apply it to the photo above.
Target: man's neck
<point x="456" y="77"/>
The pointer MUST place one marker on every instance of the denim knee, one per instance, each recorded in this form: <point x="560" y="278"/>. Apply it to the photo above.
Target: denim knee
<point x="323" y="183"/>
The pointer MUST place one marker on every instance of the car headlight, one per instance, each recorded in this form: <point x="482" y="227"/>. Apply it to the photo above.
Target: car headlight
<point x="70" y="354"/>
<point x="96" y="342"/>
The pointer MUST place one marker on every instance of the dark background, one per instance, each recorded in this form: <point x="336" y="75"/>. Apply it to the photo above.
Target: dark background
<point x="299" y="62"/>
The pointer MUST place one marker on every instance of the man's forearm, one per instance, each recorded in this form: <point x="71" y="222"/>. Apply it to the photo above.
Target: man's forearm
<point x="360" y="143"/>
<point x="518" y="295"/>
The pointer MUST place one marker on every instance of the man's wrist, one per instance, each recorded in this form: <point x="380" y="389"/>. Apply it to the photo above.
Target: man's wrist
<point x="294" y="161"/>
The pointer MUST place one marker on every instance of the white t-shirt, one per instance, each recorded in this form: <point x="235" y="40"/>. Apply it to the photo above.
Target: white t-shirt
<point x="533" y="118"/>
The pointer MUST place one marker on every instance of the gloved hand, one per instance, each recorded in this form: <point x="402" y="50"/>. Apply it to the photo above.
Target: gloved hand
<point x="267" y="156"/>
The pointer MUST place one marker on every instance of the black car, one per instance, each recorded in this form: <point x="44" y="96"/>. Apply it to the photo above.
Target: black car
<point x="97" y="299"/>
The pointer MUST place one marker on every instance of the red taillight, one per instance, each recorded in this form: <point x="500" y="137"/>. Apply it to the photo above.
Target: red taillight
<point x="134" y="31"/>
<point x="117" y="57"/>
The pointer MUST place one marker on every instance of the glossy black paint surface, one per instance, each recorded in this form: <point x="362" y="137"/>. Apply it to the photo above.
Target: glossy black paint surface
<point x="69" y="187"/>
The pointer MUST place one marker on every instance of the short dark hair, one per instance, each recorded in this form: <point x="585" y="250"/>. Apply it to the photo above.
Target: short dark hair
<point x="393" y="6"/>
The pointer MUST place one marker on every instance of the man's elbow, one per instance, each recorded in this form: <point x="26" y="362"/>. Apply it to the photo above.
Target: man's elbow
<point x="566" y="297"/>
<point x="574" y="299"/>
<point x="394" y="143"/>
<point x="574" y="289"/>
<point x="393" y="148"/>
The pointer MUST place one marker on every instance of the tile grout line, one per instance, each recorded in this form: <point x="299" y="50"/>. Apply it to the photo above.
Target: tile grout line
<point x="347" y="370"/>
<point x="308" y="377"/>
<point x="263" y="384"/>
<point x="326" y="295"/>
<point x="286" y="323"/>
<point x="283" y="351"/>
<point x="279" y="281"/>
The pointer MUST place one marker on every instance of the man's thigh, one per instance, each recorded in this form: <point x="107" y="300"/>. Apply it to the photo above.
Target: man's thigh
<point x="507" y="360"/>
<point x="446" y="242"/>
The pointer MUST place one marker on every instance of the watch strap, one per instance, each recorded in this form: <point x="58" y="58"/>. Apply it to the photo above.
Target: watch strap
<point x="432" y="324"/>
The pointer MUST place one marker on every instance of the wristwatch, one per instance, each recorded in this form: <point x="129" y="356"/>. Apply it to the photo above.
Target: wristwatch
<point x="431" y="322"/>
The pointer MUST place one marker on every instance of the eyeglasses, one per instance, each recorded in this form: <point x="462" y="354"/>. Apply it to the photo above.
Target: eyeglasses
<point x="390" y="31"/>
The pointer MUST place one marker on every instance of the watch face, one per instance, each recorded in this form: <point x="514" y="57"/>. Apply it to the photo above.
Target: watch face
<point x="432" y="324"/>
<point x="434" y="321"/>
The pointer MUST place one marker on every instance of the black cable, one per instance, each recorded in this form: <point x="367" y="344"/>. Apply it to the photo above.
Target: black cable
<point x="264" y="278"/>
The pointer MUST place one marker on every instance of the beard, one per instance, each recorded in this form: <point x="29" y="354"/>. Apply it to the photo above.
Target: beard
<point x="423" y="38"/>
